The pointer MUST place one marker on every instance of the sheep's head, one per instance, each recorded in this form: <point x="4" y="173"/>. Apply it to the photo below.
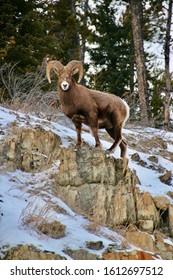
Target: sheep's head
<point x="64" y="73"/>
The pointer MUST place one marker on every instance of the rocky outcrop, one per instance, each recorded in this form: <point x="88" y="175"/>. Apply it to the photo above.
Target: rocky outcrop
<point x="150" y="247"/>
<point x="29" y="252"/>
<point x="129" y="255"/>
<point x="81" y="254"/>
<point x="30" y="149"/>
<point x="156" y="244"/>
<point x="142" y="240"/>
<point x="93" y="183"/>
<point x="163" y="247"/>
<point x="147" y="214"/>
<point x="89" y="180"/>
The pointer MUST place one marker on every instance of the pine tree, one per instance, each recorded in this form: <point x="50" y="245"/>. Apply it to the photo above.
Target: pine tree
<point x="62" y="23"/>
<point x="158" y="21"/>
<point x="22" y="33"/>
<point x="111" y="53"/>
<point x="31" y="30"/>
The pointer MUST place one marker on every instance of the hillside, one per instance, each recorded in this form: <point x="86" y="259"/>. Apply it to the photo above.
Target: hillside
<point x="61" y="202"/>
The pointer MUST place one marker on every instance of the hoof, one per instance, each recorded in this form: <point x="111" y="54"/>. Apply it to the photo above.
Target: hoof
<point x="98" y="144"/>
<point x="79" y="144"/>
<point x="110" y="150"/>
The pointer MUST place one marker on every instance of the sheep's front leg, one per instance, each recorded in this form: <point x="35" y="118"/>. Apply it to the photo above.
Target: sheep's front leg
<point x="93" y="123"/>
<point x="79" y="138"/>
<point x="78" y="126"/>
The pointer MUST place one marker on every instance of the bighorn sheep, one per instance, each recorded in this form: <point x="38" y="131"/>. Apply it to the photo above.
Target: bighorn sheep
<point x="93" y="108"/>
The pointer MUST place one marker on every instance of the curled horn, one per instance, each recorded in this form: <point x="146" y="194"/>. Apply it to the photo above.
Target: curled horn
<point x="75" y="66"/>
<point x="55" y="65"/>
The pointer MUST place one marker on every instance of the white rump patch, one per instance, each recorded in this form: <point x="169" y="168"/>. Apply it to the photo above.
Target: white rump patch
<point x="127" y="113"/>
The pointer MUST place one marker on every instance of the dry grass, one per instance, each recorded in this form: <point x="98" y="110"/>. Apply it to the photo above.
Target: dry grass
<point x="38" y="219"/>
<point x="54" y="229"/>
<point x="40" y="213"/>
<point x="93" y="226"/>
<point x="34" y="214"/>
<point x="27" y="92"/>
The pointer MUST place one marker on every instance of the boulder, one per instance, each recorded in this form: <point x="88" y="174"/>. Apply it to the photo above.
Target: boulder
<point x="97" y="245"/>
<point x="166" y="178"/>
<point x="140" y="239"/>
<point x="163" y="247"/>
<point x="80" y="254"/>
<point x="147" y="214"/>
<point x="129" y="255"/>
<point x="161" y="202"/>
<point x="170" y="194"/>
<point x="153" y="159"/>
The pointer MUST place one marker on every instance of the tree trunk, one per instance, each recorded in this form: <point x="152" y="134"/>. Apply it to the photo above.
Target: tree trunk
<point x="132" y="70"/>
<point x="85" y="7"/>
<point x="167" y="70"/>
<point x="140" y="59"/>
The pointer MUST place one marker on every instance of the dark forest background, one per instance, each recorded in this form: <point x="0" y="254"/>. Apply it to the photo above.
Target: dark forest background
<point x="109" y="37"/>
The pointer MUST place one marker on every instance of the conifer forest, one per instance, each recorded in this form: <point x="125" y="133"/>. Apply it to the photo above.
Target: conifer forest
<point x="126" y="48"/>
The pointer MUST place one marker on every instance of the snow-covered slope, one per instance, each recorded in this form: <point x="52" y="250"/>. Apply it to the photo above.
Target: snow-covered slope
<point x="18" y="200"/>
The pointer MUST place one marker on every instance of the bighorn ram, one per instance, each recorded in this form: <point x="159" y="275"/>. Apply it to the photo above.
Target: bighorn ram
<point x="93" y="108"/>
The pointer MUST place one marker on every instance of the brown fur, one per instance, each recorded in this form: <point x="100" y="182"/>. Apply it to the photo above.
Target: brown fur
<point x="93" y="108"/>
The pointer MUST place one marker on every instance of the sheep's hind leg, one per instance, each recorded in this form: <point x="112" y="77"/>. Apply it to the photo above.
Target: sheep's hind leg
<point x="116" y="135"/>
<point x="123" y="147"/>
<point x="78" y="131"/>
